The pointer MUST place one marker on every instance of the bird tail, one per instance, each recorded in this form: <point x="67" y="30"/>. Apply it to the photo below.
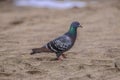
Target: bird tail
<point x="39" y="50"/>
<point x="36" y="50"/>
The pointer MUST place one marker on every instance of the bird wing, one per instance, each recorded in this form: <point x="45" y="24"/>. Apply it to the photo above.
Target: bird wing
<point x="60" y="44"/>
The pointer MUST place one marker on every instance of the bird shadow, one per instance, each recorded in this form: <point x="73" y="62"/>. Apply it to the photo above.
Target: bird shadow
<point x="45" y="59"/>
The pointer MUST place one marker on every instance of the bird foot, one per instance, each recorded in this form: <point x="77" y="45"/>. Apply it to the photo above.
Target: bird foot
<point x="57" y="59"/>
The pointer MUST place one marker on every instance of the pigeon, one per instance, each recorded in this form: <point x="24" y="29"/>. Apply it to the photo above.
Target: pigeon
<point x="60" y="44"/>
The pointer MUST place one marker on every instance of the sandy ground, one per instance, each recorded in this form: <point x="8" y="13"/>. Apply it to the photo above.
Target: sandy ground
<point x="95" y="56"/>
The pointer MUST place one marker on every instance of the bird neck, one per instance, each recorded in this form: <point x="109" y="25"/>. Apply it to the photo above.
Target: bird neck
<point x="73" y="30"/>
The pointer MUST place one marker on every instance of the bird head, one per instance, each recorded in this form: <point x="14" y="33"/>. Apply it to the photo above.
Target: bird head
<point x="76" y="24"/>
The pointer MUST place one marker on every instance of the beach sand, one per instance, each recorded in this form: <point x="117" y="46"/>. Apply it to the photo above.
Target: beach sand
<point x="95" y="55"/>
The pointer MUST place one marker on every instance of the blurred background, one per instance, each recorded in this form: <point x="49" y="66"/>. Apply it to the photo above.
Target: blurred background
<point x="56" y="4"/>
<point x="27" y="24"/>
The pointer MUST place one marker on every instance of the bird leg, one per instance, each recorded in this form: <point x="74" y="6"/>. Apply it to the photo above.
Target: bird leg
<point x="64" y="56"/>
<point x="59" y="56"/>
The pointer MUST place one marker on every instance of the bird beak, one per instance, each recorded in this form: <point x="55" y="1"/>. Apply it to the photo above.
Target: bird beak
<point x="81" y="26"/>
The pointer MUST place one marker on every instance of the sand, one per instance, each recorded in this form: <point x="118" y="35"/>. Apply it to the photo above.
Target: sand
<point x="95" y="55"/>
